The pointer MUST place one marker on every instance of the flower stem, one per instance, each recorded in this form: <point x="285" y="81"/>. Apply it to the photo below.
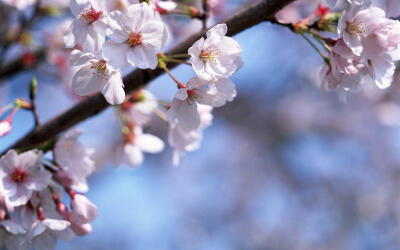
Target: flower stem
<point x="314" y="47"/>
<point x="319" y="39"/>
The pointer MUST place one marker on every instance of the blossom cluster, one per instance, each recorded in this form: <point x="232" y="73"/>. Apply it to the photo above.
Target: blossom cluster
<point x="363" y="49"/>
<point x="367" y="48"/>
<point x="33" y="212"/>
<point x="112" y="40"/>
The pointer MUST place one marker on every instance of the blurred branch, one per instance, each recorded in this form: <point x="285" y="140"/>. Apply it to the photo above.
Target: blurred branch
<point x="252" y="15"/>
<point x="25" y="24"/>
<point x="18" y="65"/>
<point x="206" y="10"/>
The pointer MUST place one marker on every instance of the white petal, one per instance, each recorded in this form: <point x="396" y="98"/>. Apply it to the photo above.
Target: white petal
<point x="134" y="156"/>
<point x="85" y="82"/>
<point x="113" y="91"/>
<point x="149" y="143"/>
<point x="116" y="54"/>
<point x="77" y="5"/>
<point x="143" y="57"/>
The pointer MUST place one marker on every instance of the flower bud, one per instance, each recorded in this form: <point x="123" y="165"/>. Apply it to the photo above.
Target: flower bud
<point x="81" y="230"/>
<point x="83" y="210"/>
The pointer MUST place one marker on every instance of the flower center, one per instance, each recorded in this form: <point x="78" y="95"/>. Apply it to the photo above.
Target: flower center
<point x="134" y="39"/>
<point x="100" y="69"/>
<point x="210" y="55"/>
<point x="356" y="28"/>
<point x="90" y="15"/>
<point x="192" y="96"/>
<point x="19" y="175"/>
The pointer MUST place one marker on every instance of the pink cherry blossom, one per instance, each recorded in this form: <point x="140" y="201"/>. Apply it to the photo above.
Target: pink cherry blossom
<point x="357" y="23"/>
<point x="83" y="211"/>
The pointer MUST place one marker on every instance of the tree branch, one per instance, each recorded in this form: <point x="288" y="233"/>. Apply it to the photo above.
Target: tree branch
<point x="252" y="15"/>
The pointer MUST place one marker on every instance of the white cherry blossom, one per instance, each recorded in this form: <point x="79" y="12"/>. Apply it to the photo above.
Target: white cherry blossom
<point x="140" y="112"/>
<point x="379" y="61"/>
<point x="137" y="38"/>
<point x="44" y="233"/>
<point x="344" y="71"/>
<point x="96" y="74"/>
<point x="358" y="22"/>
<point x="21" y="175"/>
<point x="198" y="91"/>
<point x="74" y="160"/>
<point x="182" y="140"/>
<point x="217" y="56"/>
<point x="137" y="143"/>
<point x="89" y="27"/>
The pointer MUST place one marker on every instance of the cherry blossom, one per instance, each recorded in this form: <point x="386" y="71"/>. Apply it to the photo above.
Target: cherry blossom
<point x="357" y="23"/>
<point x="217" y="56"/>
<point x="89" y="27"/>
<point x="5" y="127"/>
<point x="83" y="210"/>
<point x="381" y="49"/>
<point x="198" y="91"/>
<point x="137" y="39"/>
<point x="74" y="160"/>
<point x="182" y="140"/>
<point x="96" y="74"/>
<point x="141" y="110"/>
<point x="137" y="142"/>
<point x="21" y="175"/>
<point x="44" y="233"/>
<point x="344" y="71"/>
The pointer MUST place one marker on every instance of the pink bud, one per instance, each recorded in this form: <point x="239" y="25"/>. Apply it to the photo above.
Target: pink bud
<point x="5" y="128"/>
<point x="5" y="125"/>
<point x="81" y="230"/>
<point x="2" y="214"/>
<point x="83" y="211"/>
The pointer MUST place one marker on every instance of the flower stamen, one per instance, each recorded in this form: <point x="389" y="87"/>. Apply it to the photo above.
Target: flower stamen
<point x="135" y="39"/>
<point x="100" y="69"/>
<point x="19" y="175"/>
<point x="210" y="55"/>
<point x="90" y="15"/>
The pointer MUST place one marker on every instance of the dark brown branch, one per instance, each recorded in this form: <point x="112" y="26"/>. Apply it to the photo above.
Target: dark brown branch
<point x="206" y="10"/>
<point x="254" y="14"/>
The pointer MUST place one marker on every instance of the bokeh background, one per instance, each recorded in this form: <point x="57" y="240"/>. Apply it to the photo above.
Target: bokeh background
<point x="285" y="166"/>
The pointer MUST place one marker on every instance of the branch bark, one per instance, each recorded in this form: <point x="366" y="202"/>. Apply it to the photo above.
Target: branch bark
<point x="252" y="15"/>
